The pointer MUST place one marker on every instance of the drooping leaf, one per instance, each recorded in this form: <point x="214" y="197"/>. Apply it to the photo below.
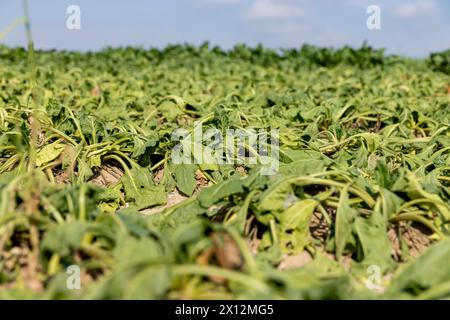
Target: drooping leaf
<point x="208" y="196"/>
<point x="140" y="189"/>
<point x="65" y="238"/>
<point x="372" y="233"/>
<point x="345" y="215"/>
<point x="49" y="153"/>
<point x="426" y="272"/>
<point x="185" y="178"/>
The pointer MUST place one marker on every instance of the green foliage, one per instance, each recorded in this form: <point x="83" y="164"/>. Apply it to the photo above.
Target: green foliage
<point x="364" y="144"/>
<point x="440" y="61"/>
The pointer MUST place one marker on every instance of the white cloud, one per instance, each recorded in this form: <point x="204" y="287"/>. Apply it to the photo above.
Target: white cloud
<point x="413" y="9"/>
<point x="405" y="9"/>
<point x="274" y="10"/>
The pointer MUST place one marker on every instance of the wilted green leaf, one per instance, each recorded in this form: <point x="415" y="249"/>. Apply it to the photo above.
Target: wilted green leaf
<point x="48" y="153"/>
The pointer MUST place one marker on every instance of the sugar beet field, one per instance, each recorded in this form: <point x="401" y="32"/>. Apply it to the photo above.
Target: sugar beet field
<point x="118" y="180"/>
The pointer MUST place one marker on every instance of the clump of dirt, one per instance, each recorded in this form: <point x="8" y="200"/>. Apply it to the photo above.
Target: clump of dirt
<point x="241" y="170"/>
<point x="61" y="176"/>
<point x="201" y="182"/>
<point x="158" y="175"/>
<point x="318" y="227"/>
<point x="96" y="91"/>
<point x="184" y="120"/>
<point x="224" y="252"/>
<point x="414" y="235"/>
<point x="22" y="257"/>
<point x="295" y="261"/>
<point x="13" y="257"/>
<point x="106" y="175"/>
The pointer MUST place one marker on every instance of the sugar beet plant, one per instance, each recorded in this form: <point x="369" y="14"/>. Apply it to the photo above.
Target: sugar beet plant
<point x="359" y="206"/>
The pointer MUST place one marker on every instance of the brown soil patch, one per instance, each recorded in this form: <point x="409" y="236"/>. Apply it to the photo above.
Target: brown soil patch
<point x="61" y="177"/>
<point x="28" y="264"/>
<point x="227" y="252"/>
<point x="96" y="91"/>
<point x="318" y="227"/>
<point x="201" y="182"/>
<point x="158" y="176"/>
<point x="224" y="253"/>
<point x="106" y="175"/>
<point x="414" y="235"/>
<point x="295" y="261"/>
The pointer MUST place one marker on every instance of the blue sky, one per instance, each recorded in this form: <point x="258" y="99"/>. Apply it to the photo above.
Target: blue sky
<point x="410" y="27"/>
